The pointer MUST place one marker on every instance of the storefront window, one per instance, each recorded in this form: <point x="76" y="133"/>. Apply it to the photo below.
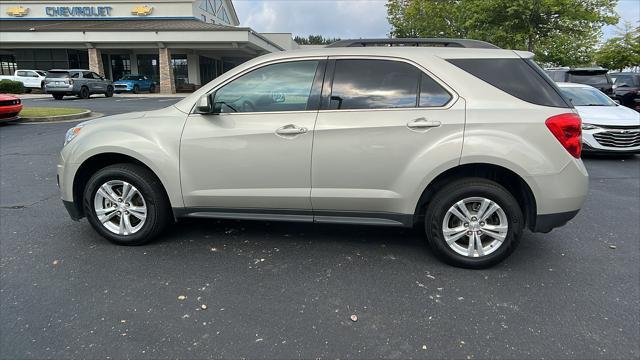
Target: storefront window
<point x="148" y="66"/>
<point x="8" y="64"/>
<point x="180" y="69"/>
<point x="120" y="66"/>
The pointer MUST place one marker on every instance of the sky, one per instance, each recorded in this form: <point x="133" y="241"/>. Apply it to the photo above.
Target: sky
<point x="348" y="18"/>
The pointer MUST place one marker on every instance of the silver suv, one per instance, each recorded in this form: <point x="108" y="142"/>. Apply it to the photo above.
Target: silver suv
<point x="78" y="82"/>
<point x="473" y="144"/>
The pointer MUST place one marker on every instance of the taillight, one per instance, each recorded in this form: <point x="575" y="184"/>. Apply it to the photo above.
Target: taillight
<point x="567" y="128"/>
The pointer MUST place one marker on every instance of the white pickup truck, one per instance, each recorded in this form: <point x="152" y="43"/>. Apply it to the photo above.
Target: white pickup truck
<point x="31" y="79"/>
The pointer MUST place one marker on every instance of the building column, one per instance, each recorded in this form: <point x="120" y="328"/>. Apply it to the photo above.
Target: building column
<point x="167" y="83"/>
<point x="193" y="67"/>
<point x="134" y="63"/>
<point x="95" y="61"/>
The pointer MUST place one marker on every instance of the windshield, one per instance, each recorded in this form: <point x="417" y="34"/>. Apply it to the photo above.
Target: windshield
<point x="582" y="96"/>
<point x="42" y="73"/>
<point x="131" y="77"/>
<point x="58" y="74"/>
<point x="623" y="80"/>
<point x="591" y="79"/>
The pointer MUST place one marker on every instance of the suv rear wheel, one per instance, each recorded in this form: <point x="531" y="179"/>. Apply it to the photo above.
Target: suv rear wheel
<point x="473" y="223"/>
<point x="109" y="92"/>
<point x="125" y="203"/>
<point x="84" y="93"/>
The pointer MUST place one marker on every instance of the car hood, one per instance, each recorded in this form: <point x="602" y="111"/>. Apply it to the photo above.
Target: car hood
<point x="139" y="115"/>
<point x="609" y="115"/>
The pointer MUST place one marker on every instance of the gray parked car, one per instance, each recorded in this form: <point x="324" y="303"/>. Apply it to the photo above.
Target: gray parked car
<point x="78" y="82"/>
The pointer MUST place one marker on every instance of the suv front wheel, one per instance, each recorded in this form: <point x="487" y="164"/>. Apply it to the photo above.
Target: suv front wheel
<point x="125" y="203"/>
<point x="473" y="223"/>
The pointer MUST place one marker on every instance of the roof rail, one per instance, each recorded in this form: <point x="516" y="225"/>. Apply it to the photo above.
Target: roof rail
<point x="437" y="42"/>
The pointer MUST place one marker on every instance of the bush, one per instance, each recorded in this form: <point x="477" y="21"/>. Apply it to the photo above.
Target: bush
<point x="11" y="87"/>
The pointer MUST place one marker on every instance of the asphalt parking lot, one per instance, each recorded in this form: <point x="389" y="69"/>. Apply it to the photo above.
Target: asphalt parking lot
<point x="285" y="290"/>
<point x="108" y="106"/>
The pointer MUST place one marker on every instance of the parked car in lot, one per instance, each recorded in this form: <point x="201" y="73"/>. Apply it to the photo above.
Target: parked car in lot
<point x="31" y="79"/>
<point x="595" y="76"/>
<point x="606" y="126"/>
<point x="627" y="89"/>
<point x="473" y="145"/>
<point x="10" y="107"/>
<point x="78" y="82"/>
<point x="134" y="83"/>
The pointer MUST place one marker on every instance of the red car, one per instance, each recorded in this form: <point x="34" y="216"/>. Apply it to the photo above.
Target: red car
<point x="10" y="107"/>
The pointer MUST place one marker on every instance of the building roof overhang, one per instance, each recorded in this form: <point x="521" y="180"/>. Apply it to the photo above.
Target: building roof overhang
<point x="148" y="33"/>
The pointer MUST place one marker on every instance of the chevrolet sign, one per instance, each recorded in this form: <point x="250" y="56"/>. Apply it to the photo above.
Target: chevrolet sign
<point x="17" y="11"/>
<point x="78" y="11"/>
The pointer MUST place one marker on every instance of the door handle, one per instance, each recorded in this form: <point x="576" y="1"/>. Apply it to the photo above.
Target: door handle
<point x="289" y="130"/>
<point x="422" y="124"/>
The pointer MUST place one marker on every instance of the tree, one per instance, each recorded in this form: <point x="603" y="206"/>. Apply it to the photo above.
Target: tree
<point x="622" y="51"/>
<point x="314" y="40"/>
<point x="563" y="32"/>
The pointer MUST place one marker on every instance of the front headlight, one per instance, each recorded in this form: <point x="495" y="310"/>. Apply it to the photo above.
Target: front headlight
<point x="72" y="133"/>
<point x="586" y="126"/>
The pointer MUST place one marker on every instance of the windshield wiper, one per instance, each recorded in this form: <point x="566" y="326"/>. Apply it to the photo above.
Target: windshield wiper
<point x="229" y="106"/>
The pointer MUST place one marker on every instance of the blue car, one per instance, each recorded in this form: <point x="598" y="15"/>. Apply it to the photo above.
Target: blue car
<point x="134" y="83"/>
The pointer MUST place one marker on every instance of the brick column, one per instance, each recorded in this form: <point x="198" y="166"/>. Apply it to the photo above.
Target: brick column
<point x="95" y="61"/>
<point x="167" y="84"/>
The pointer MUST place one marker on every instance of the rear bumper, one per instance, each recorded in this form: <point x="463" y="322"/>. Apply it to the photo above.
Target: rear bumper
<point x="547" y="222"/>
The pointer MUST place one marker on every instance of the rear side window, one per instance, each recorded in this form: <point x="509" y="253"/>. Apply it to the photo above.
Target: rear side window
<point x="383" y="84"/>
<point x="374" y="84"/>
<point x="431" y="93"/>
<point x="520" y="78"/>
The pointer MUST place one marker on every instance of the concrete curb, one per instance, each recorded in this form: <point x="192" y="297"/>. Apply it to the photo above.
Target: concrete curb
<point x="82" y="115"/>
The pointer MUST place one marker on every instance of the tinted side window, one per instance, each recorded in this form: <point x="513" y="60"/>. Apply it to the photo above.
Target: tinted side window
<point x="520" y="78"/>
<point x="374" y="84"/>
<point x="87" y="75"/>
<point x="277" y="87"/>
<point x="431" y="93"/>
<point x="21" y="73"/>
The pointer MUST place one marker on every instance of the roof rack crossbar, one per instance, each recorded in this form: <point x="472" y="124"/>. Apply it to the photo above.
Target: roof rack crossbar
<point x="464" y="43"/>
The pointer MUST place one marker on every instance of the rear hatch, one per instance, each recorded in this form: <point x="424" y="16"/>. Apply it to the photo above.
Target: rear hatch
<point x="598" y="78"/>
<point x="58" y="79"/>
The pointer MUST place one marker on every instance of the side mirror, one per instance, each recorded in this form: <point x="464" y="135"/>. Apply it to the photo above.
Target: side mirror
<point x="616" y="101"/>
<point x="206" y="105"/>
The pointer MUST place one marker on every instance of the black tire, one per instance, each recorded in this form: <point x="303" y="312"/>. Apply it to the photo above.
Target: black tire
<point x="467" y="188"/>
<point x="158" y="212"/>
<point x="42" y="87"/>
<point x="136" y="89"/>
<point x="58" y="96"/>
<point x="109" y="92"/>
<point x="84" y="93"/>
<point x="152" y="88"/>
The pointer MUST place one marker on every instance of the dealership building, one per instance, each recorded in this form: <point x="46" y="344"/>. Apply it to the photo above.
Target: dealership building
<point x="181" y="44"/>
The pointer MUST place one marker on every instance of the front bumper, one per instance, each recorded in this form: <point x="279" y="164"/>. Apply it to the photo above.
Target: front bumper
<point x="122" y="87"/>
<point x="609" y="140"/>
<point x="10" y="113"/>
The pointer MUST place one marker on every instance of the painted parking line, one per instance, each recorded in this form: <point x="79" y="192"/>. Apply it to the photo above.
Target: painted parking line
<point x="134" y="99"/>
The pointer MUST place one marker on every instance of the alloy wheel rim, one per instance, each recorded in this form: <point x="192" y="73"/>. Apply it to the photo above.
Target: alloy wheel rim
<point x="120" y="207"/>
<point x="475" y="227"/>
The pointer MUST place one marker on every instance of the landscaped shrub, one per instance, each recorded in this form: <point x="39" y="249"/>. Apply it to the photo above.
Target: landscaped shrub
<point x="11" y="87"/>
